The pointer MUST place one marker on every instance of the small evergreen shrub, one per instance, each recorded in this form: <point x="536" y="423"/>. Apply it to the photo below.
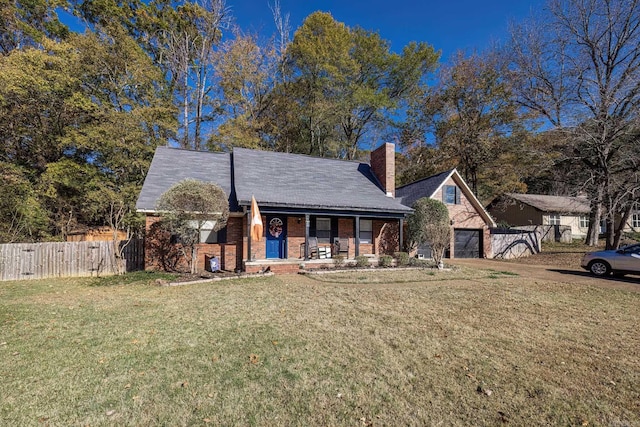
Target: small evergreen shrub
<point x="362" y="261"/>
<point x="402" y="259"/>
<point x="385" y="261"/>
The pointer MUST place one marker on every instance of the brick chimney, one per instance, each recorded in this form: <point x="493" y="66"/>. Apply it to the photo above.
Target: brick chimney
<point x="383" y="165"/>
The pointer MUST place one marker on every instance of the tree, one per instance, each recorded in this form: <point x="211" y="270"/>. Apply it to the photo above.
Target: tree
<point x="476" y="124"/>
<point x="580" y="69"/>
<point x="187" y="206"/>
<point x="246" y="72"/>
<point x="22" y="218"/>
<point x="341" y="84"/>
<point x="429" y="224"/>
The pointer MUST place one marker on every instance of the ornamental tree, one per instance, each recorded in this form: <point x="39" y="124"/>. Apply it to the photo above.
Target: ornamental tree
<point x="429" y="223"/>
<point x="187" y="206"/>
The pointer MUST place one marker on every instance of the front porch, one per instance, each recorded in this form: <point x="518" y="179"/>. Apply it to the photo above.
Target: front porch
<point x="318" y="238"/>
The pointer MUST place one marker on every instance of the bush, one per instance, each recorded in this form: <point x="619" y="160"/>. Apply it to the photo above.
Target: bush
<point x="338" y="260"/>
<point x="402" y="259"/>
<point x="385" y="261"/>
<point x="362" y="261"/>
<point x="423" y="263"/>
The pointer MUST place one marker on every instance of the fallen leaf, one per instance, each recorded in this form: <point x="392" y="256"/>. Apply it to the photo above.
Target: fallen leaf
<point x="110" y="412"/>
<point x="207" y="420"/>
<point x="253" y="358"/>
<point x="128" y="386"/>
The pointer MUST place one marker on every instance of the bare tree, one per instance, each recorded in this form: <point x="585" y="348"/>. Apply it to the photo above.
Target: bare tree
<point x="189" y="45"/>
<point x="580" y="69"/>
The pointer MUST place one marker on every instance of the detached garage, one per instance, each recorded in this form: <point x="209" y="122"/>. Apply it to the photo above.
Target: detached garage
<point x="470" y="222"/>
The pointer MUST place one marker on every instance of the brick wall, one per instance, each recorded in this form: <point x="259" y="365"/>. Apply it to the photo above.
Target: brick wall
<point x="295" y="236"/>
<point x="383" y="165"/>
<point x="161" y="254"/>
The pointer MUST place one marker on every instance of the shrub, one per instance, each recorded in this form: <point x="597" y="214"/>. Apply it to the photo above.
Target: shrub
<point x="338" y="260"/>
<point x="362" y="261"/>
<point x="423" y="263"/>
<point x="402" y="258"/>
<point x="385" y="261"/>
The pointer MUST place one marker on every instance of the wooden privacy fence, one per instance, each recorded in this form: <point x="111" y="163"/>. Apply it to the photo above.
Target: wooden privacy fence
<point x="24" y="261"/>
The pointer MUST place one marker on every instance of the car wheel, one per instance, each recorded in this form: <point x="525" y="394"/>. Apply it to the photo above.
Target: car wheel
<point x="599" y="268"/>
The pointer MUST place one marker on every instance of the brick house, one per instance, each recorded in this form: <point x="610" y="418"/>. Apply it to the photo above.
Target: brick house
<point x="309" y="206"/>
<point x="471" y="223"/>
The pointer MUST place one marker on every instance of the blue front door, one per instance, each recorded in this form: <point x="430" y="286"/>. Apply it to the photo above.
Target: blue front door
<point x="276" y="236"/>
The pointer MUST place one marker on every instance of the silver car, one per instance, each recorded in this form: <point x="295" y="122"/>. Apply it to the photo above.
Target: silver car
<point x="625" y="260"/>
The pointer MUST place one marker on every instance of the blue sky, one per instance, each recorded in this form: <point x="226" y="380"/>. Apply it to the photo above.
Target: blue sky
<point x="447" y="25"/>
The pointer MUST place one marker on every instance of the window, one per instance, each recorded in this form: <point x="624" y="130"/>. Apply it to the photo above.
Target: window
<point x="554" y="219"/>
<point x="207" y="235"/>
<point x="323" y="230"/>
<point x="584" y="222"/>
<point x="451" y="195"/>
<point x="366" y="231"/>
<point x="635" y="220"/>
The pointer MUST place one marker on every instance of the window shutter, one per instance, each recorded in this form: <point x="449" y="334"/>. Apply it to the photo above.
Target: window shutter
<point x="457" y="190"/>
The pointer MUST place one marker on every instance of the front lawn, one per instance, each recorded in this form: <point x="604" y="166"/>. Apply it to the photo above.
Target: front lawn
<point x="419" y="347"/>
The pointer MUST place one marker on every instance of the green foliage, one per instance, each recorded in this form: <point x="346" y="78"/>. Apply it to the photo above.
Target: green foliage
<point x="429" y="223"/>
<point x="362" y="261"/>
<point x="338" y="260"/>
<point x="187" y="206"/>
<point x="341" y="83"/>
<point x="402" y="259"/>
<point x="385" y="261"/>
<point x="22" y="219"/>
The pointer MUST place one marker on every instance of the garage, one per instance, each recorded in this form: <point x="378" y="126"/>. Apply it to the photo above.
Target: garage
<point x="467" y="243"/>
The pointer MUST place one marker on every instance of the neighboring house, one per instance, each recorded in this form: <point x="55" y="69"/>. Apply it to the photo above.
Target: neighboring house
<point x="470" y="221"/>
<point x="633" y="225"/>
<point x="517" y="209"/>
<point x="309" y="205"/>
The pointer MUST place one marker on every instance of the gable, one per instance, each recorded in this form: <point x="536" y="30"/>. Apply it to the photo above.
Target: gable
<point x="469" y="213"/>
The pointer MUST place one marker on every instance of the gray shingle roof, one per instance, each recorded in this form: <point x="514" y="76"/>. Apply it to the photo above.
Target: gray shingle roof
<point x="554" y="204"/>
<point x="408" y="194"/>
<point x="275" y="179"/>
<point x="299" y="181"/>
<point x="172" y="165"/>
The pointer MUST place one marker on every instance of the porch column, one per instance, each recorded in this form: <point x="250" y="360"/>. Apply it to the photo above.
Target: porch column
<point x="307" y="224"/>
<point x="401" y="236"/>
<point x="357" y="236"/>
<point x="248" y="234"/>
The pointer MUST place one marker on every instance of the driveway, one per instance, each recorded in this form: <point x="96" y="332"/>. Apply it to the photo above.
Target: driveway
<point x="562" y="274"/>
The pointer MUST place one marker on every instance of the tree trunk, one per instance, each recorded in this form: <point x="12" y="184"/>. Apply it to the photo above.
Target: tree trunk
<point x="594" y="218"/>
<point x="623" y="221"/>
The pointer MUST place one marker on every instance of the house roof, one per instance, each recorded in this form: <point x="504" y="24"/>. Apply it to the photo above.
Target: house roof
<point x="428" y="187"/>
<point x="299" y="181"/>
<point x="172" y="165"/>
<point x="554" y="204"/>
<point x="276" y="180"/>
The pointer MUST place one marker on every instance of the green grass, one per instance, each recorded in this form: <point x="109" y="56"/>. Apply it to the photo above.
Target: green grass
<point x="291" y="350"/>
